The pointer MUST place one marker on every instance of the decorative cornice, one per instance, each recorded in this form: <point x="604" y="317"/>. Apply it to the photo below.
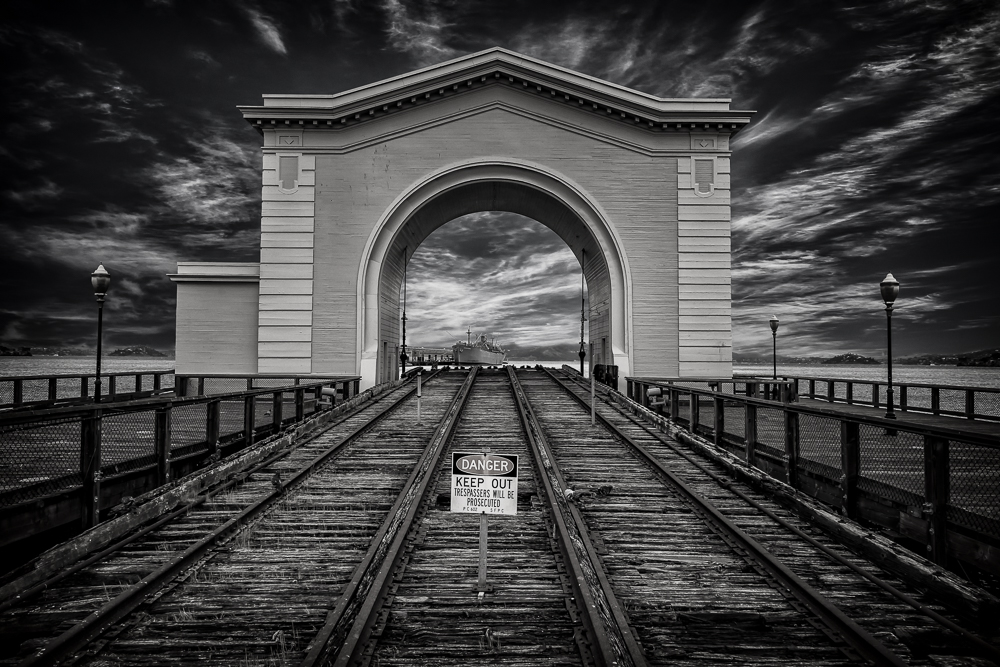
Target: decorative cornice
<point x="496" y="67"/>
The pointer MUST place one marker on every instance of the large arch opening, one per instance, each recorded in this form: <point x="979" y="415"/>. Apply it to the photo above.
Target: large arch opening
<point x="523" y="189"/>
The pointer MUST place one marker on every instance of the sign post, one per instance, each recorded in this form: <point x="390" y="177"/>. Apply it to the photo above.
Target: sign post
<point x="419" y="376"/>
<point x="483" y="483"/>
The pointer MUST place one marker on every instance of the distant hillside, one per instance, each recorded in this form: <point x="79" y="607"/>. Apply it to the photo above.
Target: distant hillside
<point x="136" y="351"/>
<point x="853" y="359"/>
<point x="978" y="358"/>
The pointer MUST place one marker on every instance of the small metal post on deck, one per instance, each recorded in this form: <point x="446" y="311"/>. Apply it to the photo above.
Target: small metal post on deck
<point x="593" y="389"/>
<point x="420" y="375"/>
<point x="482" y="586"/>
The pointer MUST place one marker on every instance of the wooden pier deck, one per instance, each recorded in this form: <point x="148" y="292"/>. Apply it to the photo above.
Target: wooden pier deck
<point x="629" y="547"/>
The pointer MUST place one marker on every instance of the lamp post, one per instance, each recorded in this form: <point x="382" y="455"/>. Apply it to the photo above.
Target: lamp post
<point x="100" y="280"/>
<point x="890" y="290"/>
<point x="774" y="345"/>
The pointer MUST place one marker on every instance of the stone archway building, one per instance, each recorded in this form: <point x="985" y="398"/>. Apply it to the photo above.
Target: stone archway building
<point x="352" y="182"/>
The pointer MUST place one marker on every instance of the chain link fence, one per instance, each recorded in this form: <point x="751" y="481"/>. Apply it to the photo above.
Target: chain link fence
<point x="819" y="445"/>
<point x="39" y="458"/>
<point x="897" y="463"/>
<point x="975" y="487"/>
<point x="42" y="455"/>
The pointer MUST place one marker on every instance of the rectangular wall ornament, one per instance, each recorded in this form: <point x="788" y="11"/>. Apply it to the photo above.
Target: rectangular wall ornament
<point x="284" y="331"/>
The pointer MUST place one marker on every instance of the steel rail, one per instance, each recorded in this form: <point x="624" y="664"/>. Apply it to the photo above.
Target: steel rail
<point x="605" y="654"/>
<point x="135" y="595"/>
<point x="833" y="617"/>
<point x="207" y="495"/>
<point x="395" y="528"/>
<point x="992" y="651"/>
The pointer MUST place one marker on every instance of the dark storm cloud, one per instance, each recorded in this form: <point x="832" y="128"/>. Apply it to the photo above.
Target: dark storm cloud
<point x="873" y="150"/>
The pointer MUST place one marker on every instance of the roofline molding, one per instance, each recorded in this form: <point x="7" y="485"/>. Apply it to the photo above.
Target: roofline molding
<point x="495" y="66"/>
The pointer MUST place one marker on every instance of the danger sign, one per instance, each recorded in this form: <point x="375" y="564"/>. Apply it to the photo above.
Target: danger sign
<point x="483" y="483"/>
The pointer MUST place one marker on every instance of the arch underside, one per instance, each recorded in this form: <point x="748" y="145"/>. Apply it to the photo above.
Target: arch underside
<point x="494" y="192"/>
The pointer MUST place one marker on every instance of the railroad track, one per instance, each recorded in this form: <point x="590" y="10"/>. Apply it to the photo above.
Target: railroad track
<point x="684" y="586"/>
<point x="233" y="553"/>
<point x="626" y="550"/>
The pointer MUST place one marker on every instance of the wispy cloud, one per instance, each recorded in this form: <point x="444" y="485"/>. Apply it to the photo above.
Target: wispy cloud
<point x="419" y="32"/>
<point x="267" y="29"/>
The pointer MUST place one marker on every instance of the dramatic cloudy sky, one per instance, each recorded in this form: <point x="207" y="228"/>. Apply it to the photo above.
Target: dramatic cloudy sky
<point x="874" y="148"/>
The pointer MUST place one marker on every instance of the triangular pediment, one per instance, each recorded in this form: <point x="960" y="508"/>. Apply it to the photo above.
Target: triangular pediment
<point x="495" y="67"/>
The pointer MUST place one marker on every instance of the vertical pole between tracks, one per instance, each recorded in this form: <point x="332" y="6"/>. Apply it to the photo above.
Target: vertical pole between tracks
<point x="482" y="586"/>
<point x="420" y="374"/>
<point x="593" y="389"/>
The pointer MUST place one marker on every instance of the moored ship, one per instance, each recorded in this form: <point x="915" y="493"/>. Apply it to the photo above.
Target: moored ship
<point x="482" y="351"/>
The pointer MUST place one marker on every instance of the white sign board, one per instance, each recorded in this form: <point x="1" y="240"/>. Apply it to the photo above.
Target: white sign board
<point x="483" y="483"/>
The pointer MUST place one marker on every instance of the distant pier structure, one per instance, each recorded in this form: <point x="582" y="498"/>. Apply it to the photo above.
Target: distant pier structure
<point x="637" y="186"/>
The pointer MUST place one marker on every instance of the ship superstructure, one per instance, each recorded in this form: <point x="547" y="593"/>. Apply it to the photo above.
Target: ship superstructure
<point x="481" y="351"/>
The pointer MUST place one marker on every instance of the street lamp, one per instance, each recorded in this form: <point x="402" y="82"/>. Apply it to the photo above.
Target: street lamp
<point x="583" y="307"/>
<point x="890" y="290"/>
<point x="100" y="280"/>
<point x="774" y="345"/>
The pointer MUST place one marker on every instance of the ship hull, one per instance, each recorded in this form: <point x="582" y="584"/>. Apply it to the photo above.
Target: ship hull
<point x="476" y="356"/>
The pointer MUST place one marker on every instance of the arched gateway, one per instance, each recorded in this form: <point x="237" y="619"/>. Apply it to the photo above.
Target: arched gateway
<point x="637" y="187"/>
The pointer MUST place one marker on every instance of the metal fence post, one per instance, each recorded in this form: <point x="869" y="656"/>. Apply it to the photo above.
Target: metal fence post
<point x="53" y="389"/>
<point x="213" y="417"/>
<point x="112" y="386"/>
<point x="831" y="391"/>
<point x="850" y="393"/>
<point x="936" y="491"/>
<point x="720" y="420"/>
<point x="357" y="387"/>
<point x="18" y="392"/>
<point x="936" y="400"/>
<point x="970" y="404"/>
<point x="902" y="397"/>
<point x="300" y="404"/>
<point x="791" y="448"/>
<point x="90" y="470"/>
<point x="162" y="439"/>
<point x="138" y="382"/>
<point x="675" y="403"/>
<point x="276" y="399"/>
<point x="695" y="412"/>
<point x="750" y="429"/>
<point x="850" y="464"/>
<point x="875" y="386"/>
<point x="249" y="419"/>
